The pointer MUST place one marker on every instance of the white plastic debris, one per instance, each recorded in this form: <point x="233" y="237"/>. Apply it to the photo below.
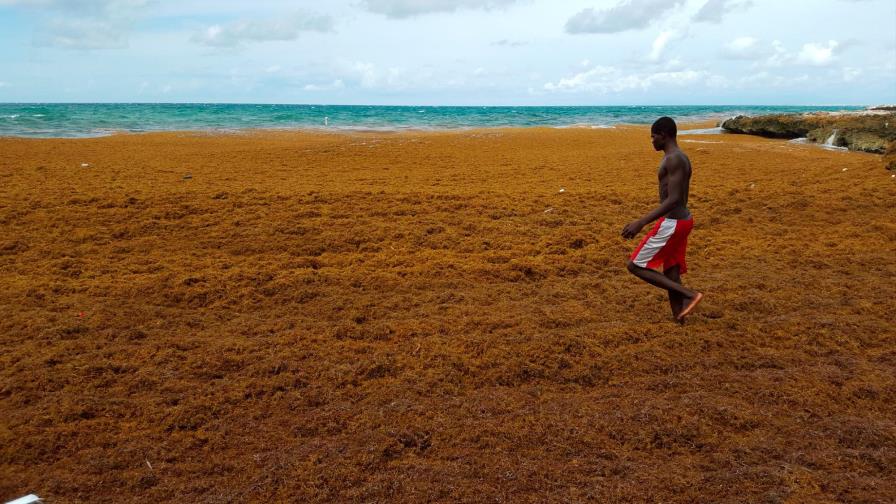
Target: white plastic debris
<point x="28" y="499"/>
<point x="549" y="210"/>
<point x="844" y="169"/>
<point x="85" y="165"/>
<point x="562" y="190"/>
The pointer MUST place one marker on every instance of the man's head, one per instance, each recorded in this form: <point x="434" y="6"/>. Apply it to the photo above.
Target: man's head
<point x="662" y="131"/>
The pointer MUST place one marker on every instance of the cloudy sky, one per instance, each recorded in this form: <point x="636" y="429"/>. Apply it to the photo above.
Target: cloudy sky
<point x="450" y="52"/>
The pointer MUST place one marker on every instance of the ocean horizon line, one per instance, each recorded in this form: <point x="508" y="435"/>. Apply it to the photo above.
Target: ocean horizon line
<point x="310" y="104"/>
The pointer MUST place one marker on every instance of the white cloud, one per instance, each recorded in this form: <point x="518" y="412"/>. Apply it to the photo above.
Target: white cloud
<point x="744" y="48"/>
<point x="767" y="79"/>
<point x="82" y="33"/>
<point x="583" y="80"/>
<point x="83" y="24"/>
<point x="718" y="81"/>
<point x="812" y="54"/>
<point x="409" y="8"/>
<point x="369" y="76"/>
<point x="366" y="73"/>
<point x="509" y="43"/>
<point x="242" y="31"/>
<point x="379" y="78"/>
<point x="673" y="64"/>
<point x="83" y="7"/>
<point x="660" y="43"/>
<point x="713" y="10"/>
<point x="336" y="84"/>
<point x="608" y="79"/>
<point x="779" y="57"/>
<point x="626" y="15"/>
<point x="817" y="54"/>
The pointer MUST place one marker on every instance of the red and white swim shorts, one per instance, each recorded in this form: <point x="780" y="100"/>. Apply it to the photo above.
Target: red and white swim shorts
<point x="665" y="245"/>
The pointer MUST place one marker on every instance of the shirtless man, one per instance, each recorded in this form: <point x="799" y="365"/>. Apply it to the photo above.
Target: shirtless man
<point x="665" y="245"/>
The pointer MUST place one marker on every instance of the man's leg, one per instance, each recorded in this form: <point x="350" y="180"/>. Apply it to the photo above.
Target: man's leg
<point x="659" y="280"/>
<point x="676" y="300"/>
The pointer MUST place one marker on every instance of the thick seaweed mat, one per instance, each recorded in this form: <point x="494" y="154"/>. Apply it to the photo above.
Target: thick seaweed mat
<point x="426" y="317"/>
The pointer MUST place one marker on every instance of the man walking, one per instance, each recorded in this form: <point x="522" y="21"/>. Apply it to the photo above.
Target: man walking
<point x="665" y="245"/>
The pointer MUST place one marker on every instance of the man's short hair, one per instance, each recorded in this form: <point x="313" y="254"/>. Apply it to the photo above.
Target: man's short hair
<point x="665" y="126"/>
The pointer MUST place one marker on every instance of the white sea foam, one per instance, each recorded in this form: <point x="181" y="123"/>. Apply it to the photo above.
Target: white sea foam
<point x="803" y="141"/>
<point x="12" y="116"/>
<point x="703" y="131"/>
<point x="584" y="125"/>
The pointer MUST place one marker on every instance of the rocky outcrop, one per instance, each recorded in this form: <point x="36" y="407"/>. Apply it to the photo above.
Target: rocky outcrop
<point x="872" y="130"/>
<point x="890" y="157"/>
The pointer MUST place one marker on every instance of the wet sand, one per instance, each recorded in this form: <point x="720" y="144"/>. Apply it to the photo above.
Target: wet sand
<point x="288" y="317"/>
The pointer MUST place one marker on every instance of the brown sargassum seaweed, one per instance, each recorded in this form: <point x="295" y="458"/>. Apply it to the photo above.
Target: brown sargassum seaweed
<point x="424" y="317"/>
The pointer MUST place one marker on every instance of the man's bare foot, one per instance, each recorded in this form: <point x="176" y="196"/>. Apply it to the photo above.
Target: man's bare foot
<point x="691" y="304"/>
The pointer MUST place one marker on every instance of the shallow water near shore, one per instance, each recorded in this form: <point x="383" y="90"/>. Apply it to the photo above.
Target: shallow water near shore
<point x="100" y="119"/>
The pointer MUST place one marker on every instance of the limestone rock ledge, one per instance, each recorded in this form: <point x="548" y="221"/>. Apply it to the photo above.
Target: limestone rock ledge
<point x="870" y="130"/>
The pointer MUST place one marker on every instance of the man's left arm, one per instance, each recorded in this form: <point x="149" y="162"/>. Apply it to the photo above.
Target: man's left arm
<point x="675" y="170"/>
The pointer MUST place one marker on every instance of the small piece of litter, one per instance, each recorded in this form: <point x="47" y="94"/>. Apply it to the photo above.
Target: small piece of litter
<point x="148" y="464"/>
<point x="892" y="176"/>
<point x="844" y="169"/>
<point x="562" y="190"/>
<point x="80" y="314"/>
<point x="85" y="165"/>
<point x="752" y="185"/>
<point x="549" y="210"/>
<point x="187" y="176"/>
<point x="28" y="499"/>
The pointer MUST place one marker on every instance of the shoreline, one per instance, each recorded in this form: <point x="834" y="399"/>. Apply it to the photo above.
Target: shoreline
<point x="702" y="123"/>
<point x="689" y="133"/>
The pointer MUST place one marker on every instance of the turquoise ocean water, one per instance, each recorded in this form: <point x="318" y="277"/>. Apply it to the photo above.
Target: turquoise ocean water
<point x="90" y="119"/>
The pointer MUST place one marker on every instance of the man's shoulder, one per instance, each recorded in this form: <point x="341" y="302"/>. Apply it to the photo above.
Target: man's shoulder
<point x="677" y="159"/>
